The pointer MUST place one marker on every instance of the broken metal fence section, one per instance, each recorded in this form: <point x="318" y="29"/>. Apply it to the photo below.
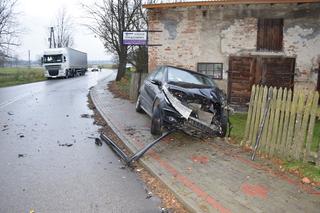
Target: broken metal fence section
<point x="288" y="126"/>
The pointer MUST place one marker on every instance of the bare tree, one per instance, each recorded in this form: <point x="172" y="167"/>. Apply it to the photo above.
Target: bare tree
<point x="8" y="28"/>
<point x="63" y="29"/>
<point x="109" y="19"/>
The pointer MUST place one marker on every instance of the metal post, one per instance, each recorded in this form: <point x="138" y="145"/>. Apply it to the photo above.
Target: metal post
<point x="29" y="65"/>
<point x="128" y="160"/>
<point x="261" y="126"/>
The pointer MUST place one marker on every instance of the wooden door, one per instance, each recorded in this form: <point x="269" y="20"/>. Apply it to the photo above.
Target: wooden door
<point x="277" y="71"/>
<point x="244" y="71"/>
<point x="241" y="76"/>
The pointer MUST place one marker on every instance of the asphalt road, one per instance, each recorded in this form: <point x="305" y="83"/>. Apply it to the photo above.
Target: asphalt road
<point x="39" y="172"/>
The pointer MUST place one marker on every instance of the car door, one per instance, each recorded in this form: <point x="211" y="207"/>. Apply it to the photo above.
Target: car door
<point x="144" y="97"/>
<point x="153" y="89"/>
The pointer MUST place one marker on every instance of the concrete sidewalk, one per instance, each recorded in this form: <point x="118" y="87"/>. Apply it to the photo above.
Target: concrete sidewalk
<point x="207" y="176"/>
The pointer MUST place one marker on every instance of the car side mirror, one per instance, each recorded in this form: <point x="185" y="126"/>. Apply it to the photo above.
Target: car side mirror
<point x="156" y="82"/>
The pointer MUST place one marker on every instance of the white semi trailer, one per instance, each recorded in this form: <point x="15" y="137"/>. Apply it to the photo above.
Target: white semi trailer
<point x="64" y="62"/>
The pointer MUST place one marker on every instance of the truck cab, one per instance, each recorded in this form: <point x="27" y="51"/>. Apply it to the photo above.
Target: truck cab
<point x="64" y="62"/>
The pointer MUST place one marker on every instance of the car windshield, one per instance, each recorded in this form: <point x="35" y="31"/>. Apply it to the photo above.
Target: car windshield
<point x="182" y="77"/>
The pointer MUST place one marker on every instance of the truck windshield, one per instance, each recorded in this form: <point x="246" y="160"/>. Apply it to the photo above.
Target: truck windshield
<point x="52" y="58"/>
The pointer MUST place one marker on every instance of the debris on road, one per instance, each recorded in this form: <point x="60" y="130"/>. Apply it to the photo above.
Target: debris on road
<point x="5" y="127"/>
<point x="66" y="144"/>
<point x="98" y="142"/>
<point x="10" y="113"/>
<point x="200" y="159"/>
<point x="165" y="210"/>
<point x="85" y="116"/>
<point x="21" y="135"/>
<point x="149" y="195"/>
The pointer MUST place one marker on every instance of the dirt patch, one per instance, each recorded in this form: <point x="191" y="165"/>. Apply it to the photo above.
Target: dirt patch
<point x="119" y="89"/>
<point x="168" y="200"/>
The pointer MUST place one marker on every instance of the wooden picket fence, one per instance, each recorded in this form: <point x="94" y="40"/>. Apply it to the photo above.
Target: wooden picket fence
<point x="289" y="123"/>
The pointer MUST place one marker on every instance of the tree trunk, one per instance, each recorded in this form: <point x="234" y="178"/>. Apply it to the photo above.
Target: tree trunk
<point x="121" y="67"/>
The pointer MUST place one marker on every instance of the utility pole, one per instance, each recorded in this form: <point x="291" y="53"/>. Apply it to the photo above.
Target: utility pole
<point x="52" y="39"/>
<point x="29" y="59"/>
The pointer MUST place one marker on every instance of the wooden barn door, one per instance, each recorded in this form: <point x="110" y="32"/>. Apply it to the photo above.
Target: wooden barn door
<point x="276" y="71"/>
<point x="241" y="76"/>
<point x="244" y="71"/>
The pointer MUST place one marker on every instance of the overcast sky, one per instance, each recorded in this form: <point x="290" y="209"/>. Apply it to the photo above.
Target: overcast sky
<point x="38" y="15"/>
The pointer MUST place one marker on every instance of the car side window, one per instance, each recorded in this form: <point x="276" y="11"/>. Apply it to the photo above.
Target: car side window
<point x="151" y="76"/>
<point x="159" y="75"/>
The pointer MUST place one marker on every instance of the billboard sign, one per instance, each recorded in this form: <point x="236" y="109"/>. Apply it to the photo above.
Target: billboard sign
<point x="134" y="38"/>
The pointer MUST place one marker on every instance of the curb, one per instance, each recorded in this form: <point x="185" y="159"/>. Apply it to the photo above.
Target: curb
<point x="142" y="161"/>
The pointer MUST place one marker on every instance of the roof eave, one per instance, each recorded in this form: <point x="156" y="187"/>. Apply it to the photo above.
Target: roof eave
<point x="208" y="3"/>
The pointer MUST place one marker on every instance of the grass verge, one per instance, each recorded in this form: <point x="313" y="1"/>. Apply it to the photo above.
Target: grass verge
<point x="14" y="76"/>
<point x="121" y="89"/>
<point x="303" y="169"/>
<point x="316" y="136"/>
<point x="238" y="121"/>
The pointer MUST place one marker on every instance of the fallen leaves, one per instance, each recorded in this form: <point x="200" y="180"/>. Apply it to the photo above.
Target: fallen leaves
<point x="306" y="180"/>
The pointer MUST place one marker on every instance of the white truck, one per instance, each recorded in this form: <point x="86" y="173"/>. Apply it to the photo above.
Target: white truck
<point x="64" y="62"/>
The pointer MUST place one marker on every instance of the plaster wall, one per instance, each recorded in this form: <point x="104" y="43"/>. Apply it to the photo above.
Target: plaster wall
<point x="211" y="34"/>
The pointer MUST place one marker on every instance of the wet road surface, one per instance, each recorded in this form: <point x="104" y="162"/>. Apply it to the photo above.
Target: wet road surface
<point x="39" y="171"/>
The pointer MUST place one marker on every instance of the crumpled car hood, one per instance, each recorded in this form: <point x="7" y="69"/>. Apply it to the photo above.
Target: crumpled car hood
<point x="212" y="93"/>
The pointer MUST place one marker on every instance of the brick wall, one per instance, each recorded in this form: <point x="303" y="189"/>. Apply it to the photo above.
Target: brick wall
<point x="211" y="34"/>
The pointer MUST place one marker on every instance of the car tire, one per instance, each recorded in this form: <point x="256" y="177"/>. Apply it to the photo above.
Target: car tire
<point x="138" y="104"/>
<point x="156" y="122"/>
<point x="224" y="126"/>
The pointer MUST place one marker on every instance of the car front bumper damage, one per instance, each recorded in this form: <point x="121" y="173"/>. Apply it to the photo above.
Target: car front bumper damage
<point x="177" y="115"/>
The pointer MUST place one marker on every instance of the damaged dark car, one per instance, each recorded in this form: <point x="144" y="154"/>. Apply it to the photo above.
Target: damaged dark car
<point x="181" y="99"/>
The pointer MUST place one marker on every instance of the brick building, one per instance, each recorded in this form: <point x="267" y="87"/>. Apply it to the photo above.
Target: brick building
<point x="240" y="42"/>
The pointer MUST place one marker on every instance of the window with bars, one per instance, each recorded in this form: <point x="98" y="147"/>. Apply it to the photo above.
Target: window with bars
<point x="270" y="34"/>
<point x="213" y="70"/>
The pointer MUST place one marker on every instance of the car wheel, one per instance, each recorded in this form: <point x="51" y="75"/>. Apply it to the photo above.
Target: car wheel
<point x="138" y="104"/>
<point x="224" y="126"/>
<point x="156" y="122"/>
